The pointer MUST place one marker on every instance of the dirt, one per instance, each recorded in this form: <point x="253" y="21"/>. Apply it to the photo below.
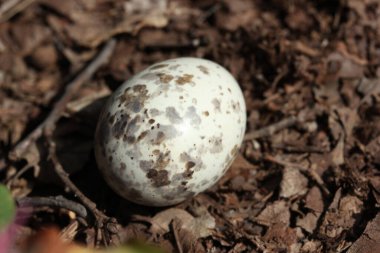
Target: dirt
<point x="307" y="176"/>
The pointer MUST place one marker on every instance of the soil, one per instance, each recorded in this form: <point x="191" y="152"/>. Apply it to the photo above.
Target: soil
<point x="307" y="176"/>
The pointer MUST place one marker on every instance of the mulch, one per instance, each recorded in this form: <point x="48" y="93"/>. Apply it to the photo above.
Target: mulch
<point x="307" y="177"/>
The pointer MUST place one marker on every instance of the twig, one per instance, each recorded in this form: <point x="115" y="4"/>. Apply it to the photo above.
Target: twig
<point x="270" y="130"/>
<point x="176" y="236"/>
<point x="48" y="125"/>
<point x="64" y="176"/>
<point x="304" y="149"/>
<point x="56" y="201"/>
<point x="285" y="123"/>
<point x="101" y="218"/>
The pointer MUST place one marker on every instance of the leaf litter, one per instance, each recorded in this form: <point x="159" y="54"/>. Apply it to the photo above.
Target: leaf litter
<point x="307" y="176"/>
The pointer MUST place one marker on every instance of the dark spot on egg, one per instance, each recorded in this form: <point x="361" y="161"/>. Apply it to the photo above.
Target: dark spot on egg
<point x="123" y="166"/>
<point x="216" y="103"/>
<point x="111" y="119"/>
<point x="188" y="172"/>
<point x="189" y="165"/>
<point x="142" y="135"/>
<point x="159" y="138"/>
<point x="174" y="67"/>
<point x="216" y="145"/>
<point x="165" y="78"/>
<point x="154" y="112"/>
<point x="156" y="152"/>
<point x="191" y="114"/>
<point x="203" y="69"/>
<point x="151" y="121"/>
<point x="119" y="126"/>
<point x="173" y="115"/>
<point x="159" y="178"/>
<point x="129" y="139"/>
<point x="206" y="113"/>
<point x="146" y="165"/>
<point x="184" y="79"/>
<point x="134" y="99"/>
<point x="235" y="106"/>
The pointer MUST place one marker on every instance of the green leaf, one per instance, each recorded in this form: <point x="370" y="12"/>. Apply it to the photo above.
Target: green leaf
<point x="7" y="207"/>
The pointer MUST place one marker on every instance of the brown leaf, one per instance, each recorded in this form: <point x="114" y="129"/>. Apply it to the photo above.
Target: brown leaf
<point x="308" y="222"/>
<point x="281" y="234"/>
<point x="185" y="239"/>
<point x="293" y="183"/>
<point x="314" y="200"/>
<point x="91" y="26"/>
<point x="200" y="226"/>
<point x="276" y="212"/>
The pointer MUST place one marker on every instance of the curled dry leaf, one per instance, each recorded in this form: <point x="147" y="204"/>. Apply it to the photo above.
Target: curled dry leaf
<point x="200" y="226"/>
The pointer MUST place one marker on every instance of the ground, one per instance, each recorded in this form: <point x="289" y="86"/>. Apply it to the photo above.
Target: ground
<point x="307" y="176"/>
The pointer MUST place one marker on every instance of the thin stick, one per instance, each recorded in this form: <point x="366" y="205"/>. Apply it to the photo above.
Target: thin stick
<point x="54" y="201"/>
<point x="303" y="116"/>
<point x="176" y="237"/>
<point x="270" y="130"/>
<point x="48" y="125"/>
<point x="64" y="176"/>
<point x="104" y="224"/>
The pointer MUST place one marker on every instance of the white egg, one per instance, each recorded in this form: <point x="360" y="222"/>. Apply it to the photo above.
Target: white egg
<point x="171" y="131"/>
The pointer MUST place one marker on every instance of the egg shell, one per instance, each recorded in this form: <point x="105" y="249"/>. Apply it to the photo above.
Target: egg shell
<point x="171" y="131"/>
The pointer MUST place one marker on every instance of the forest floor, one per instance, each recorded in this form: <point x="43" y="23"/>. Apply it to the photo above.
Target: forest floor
<point x="307" y="178"/>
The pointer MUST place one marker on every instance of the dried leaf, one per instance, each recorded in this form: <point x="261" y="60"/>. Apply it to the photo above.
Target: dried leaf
<point x="293" y="183"/>
<point x="200" y="226"/>
<point x="276" y="212"/>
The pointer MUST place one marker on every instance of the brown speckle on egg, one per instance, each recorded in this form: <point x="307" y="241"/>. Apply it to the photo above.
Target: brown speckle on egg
<point x="134" y="99"/>
<point x="165" y="78"/>
<point x="159" y="178"/>
<point x="142" y="135"/>
<point x="203" y="69"/>
<point x="184" y="79"/>
<point x="160" y="138"/>
<point x="216" y="103"/>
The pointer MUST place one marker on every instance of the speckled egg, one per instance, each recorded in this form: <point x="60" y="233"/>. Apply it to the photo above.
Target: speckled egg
<point x="171" y="131"/>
